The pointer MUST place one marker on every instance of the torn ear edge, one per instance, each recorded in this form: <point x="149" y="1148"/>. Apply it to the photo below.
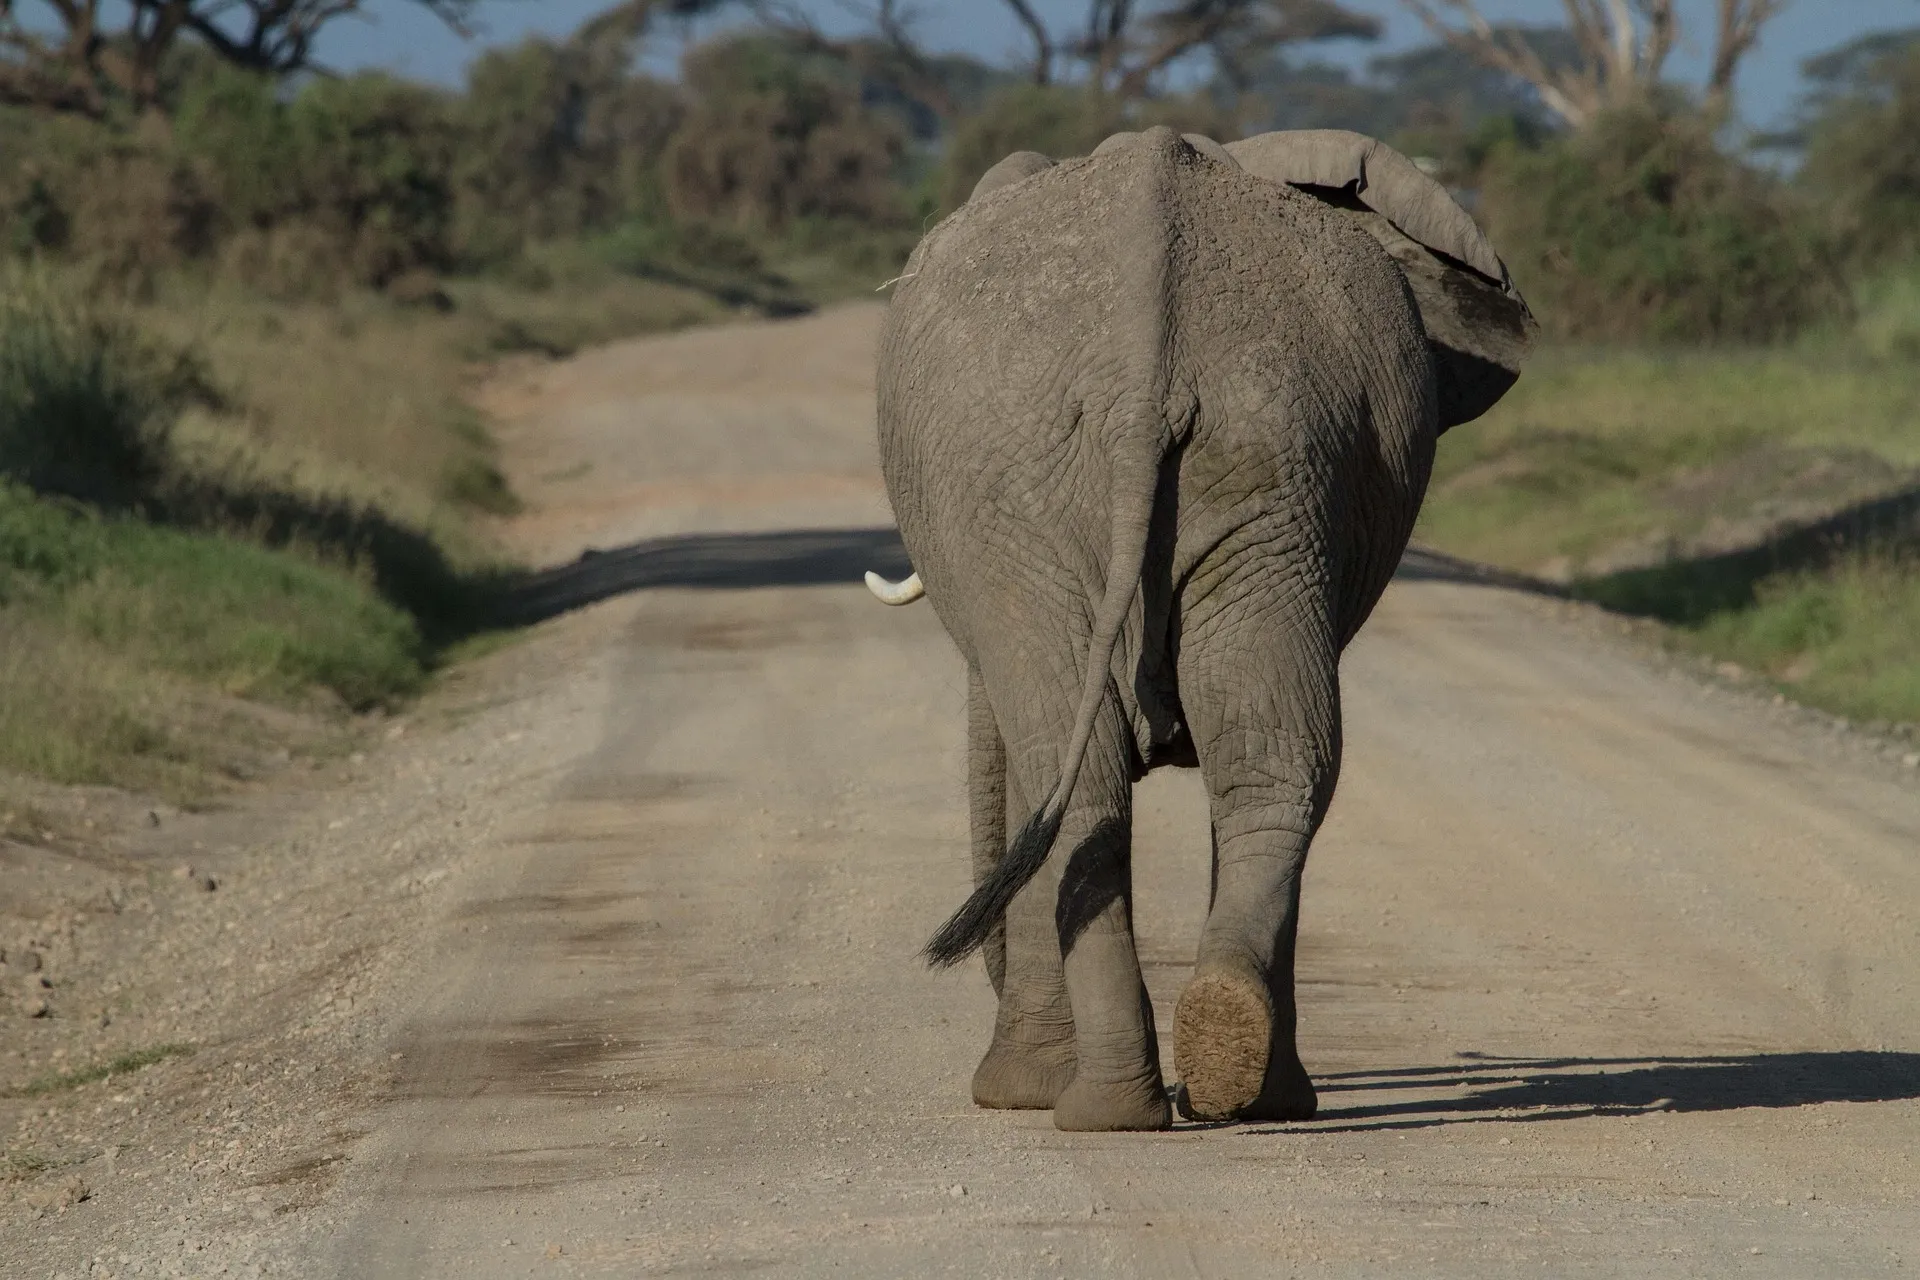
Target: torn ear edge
<point x="1479" y="329"/>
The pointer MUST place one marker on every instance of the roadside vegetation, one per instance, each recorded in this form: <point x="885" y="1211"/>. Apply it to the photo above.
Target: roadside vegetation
<point x="244" y="499"/>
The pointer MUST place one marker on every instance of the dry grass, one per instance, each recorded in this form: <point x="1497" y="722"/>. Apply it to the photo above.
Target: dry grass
<point x="324" y="538"/>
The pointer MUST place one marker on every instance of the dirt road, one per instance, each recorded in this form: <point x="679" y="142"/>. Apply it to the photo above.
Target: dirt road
<point x="1605" y="969"/>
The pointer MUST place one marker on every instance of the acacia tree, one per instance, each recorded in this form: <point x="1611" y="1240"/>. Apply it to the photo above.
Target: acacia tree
<point x="76" y="55"/>
<point x="1623" y="47"/>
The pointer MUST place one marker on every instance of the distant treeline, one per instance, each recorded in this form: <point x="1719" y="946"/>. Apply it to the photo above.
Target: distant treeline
<point x="1642" y="223"/>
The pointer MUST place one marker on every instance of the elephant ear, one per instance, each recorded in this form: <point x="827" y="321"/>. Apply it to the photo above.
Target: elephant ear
<point x="1477" y="323"/>
<point x="1016" y="167"/>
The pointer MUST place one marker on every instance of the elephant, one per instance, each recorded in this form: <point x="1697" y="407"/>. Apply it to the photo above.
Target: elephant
<point x="1155" y="424"/>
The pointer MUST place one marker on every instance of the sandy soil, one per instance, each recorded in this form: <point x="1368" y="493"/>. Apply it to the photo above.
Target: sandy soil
<point x="606" y="967"/>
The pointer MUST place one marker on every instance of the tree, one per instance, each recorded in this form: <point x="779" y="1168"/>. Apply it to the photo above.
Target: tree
<point x="1623" y="49"/>
<point x="560" y="137"/>
<point x="1861" y="132"/>
<point x="69" y="55"/>
<point x="1125" y="46"/>
<point x="1435" y="89"/>
<point x="777" y="132"/>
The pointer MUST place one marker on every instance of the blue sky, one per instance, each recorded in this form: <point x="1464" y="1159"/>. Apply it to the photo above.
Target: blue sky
<point x="405" y="39"/>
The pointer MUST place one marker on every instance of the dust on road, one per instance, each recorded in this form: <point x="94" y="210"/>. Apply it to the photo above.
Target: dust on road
<point x="1604" y="969"/>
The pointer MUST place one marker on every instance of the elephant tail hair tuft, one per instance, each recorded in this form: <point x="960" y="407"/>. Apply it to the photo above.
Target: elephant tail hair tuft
<point x="968" y="928"/>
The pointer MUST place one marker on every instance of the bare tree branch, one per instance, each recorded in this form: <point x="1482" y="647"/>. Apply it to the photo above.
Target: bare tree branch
<point x="92" y="63"/>
<point x="1124" y="45"/>
<point x="1738" y="31"/>
<point x="1042" y="41"/>
<point x="1572" y="94"/>
<point x="1624" y="45"/>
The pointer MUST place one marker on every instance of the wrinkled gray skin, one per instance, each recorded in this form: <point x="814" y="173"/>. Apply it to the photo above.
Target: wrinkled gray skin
<point x="1156" y="425"/>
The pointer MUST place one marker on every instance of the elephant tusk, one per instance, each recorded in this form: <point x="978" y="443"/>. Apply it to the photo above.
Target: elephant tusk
<point x="905" y="591"/>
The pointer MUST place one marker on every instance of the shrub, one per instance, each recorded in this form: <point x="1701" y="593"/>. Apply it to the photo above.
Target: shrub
<point x="376" y="158"/>
<point x="86" y="401"/>
<point x="1639" y="227"/>
<point x="1863" y="158"/>
<point x="117" y="198"/>
<point x="352" y="178"/>
<point x="556" y="140"/>
<point x="773" y="135"/>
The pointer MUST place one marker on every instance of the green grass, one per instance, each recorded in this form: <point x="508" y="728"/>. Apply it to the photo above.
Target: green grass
<point x="246" y="619"/>
<point x="125" y="1064"/>
<point x="1666" y="484"/>
<point x="124" y="646"/>
<point x="1594" y="449"/>
<point x="1844" y="636"/>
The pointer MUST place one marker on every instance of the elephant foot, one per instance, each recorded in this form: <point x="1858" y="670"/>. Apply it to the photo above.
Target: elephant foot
<point x="1022" y="1078"/>
<point x="1287" y="1095"/>
<point x="1222" y="1039"/>
<point x="1087" y="1107"/>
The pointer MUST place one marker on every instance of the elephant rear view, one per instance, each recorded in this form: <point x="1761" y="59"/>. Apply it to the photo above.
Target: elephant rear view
<point x="1156" y="424"/>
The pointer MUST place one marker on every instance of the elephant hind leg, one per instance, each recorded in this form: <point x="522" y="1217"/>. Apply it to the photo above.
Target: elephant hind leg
<point x="1070" y="963"/>
<point x="1262" y="696"/>
<point x="987" y="810"/>
<point x="1031" y="1060"/>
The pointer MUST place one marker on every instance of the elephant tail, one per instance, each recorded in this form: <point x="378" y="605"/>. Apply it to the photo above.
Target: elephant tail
<point x="1133" y="497"/>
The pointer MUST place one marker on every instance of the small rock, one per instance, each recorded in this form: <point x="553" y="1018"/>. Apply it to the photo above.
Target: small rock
<point x="208" y="884"/>
<point x="39" y="1008"/>
<point x="30" y="961"/>
<point x="555" y="1251"/>
<point x="58" y="1197"/>
<point x="153" y="817"/>
<point x="956" y="1190"/>
<point x="183" y="872"/>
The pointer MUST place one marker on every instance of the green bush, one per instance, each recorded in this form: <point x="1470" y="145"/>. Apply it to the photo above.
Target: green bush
<point x="352" y="178"/>
<point x="86" y="401"/>
<point x="117" y="198"/>
<point x="773" y="135"/>
<point x="556" y="140"/>
<point x="1640" y="227"/>
<point x="1863" y="159"/>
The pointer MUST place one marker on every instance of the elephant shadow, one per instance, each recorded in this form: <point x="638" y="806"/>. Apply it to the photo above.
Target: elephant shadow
<point x="1482" y="1088"/>
<point x="715" y="562"/>
<point x="801" y="558"/>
